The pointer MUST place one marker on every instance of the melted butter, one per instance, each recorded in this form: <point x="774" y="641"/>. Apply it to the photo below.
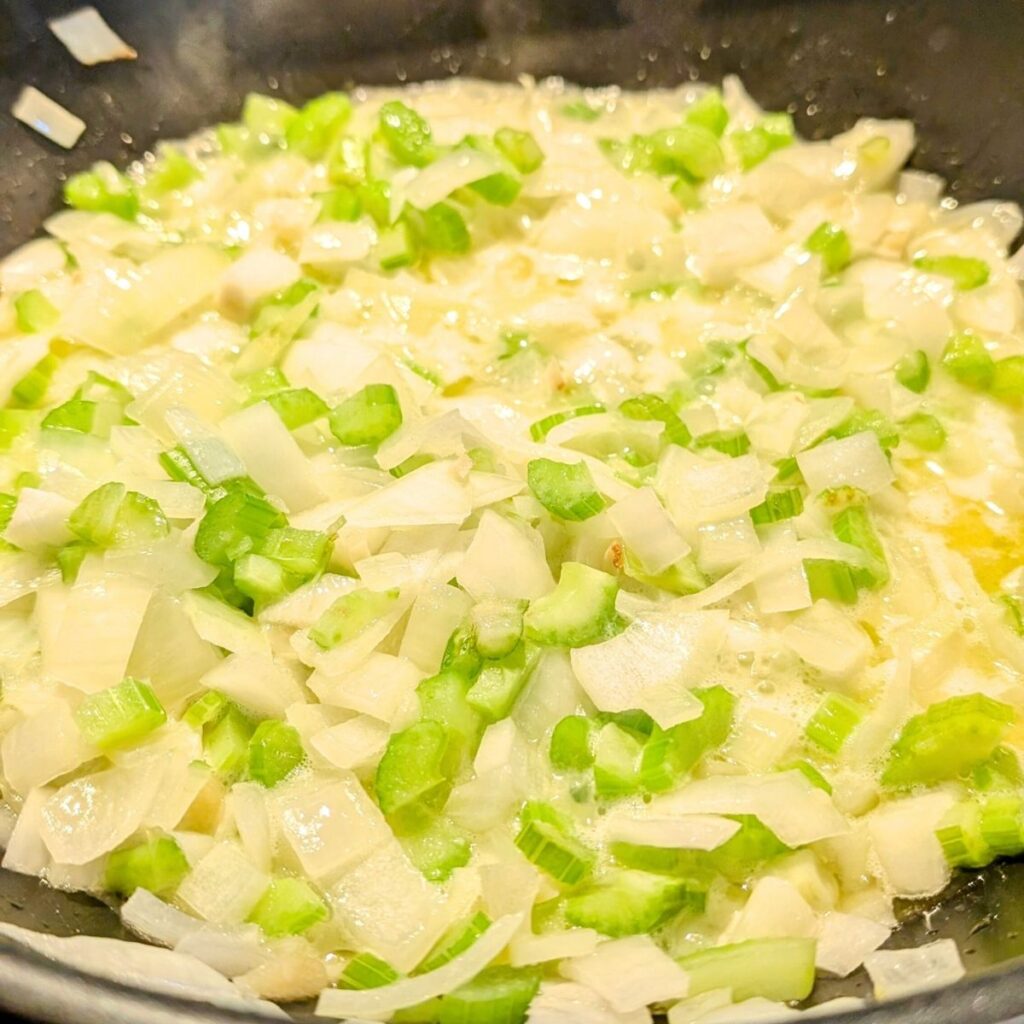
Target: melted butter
<point x="992" y="553"/>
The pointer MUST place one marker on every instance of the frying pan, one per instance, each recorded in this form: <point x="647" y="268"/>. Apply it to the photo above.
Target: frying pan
<point x="954" y="67"/>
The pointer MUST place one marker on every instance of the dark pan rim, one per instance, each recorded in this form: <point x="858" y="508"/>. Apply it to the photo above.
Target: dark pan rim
<point x="60" y="994"/>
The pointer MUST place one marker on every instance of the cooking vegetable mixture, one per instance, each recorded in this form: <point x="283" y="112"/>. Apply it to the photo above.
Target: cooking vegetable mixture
<point x="477" y="553"/>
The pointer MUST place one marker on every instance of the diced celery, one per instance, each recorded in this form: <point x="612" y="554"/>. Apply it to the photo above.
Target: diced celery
<point x="444" y="699"/>
<point x="120" y="715"/>
<point x="316" y="125"/>
<point x="683" y="577"/>
<point x="579" y="611"/>
<point x="753" y="145"/>
<point x="830" y="726"/>
<point x="461" y="656"/>
<point x="302" y="552"/>
<point x="346" y="161"/>
<point x="580" y="110"/>
<point x="495" y="690"/>
<point x="171" y="172"/>
<point x="685" y="193"/>
<point x="497" y="995"/>
<point x="406" y="134"/>
<point x="1014" y="612"/>
<point x="1008" y="379"/>
<point x="565" y="489"/>
<point x="341" y="203"/>
<point x="288" y="906"/>
<point x="689" y="149"/>
<point x="776" y="969"/>
<point x="75" y="414"/>
<point x="541" y="429"/>
<point x="14" y="423"/>
<point x="30" y="390"/>
<point x="206" y="710"/>
<point x="436" y="847"/>
<point x="297" y="406"/>
<point x="267" y="117"/>
<point x="34" y="312"/>
<point x="914" y="371"/>
<point x="811" y="773"/>
<point x="966" y="272"/>
<point x="778" y="506"/>
<point x="731" y="443"/>
<point x="234" y="526"/>
<point x="70" y="558"/>
<point x="369" y="416"/>
<point x="520" y="149"/>
<point x="366" y="971"/>
<point x="275" y="751"/>
<point x="968" y="360"/>
<point x="226" y="744"/>
<point x="629" y="902"/>
<point x="546" y="840"/>
<point x="832" y="244"/>
<point x="455" y="941"/>
<point x="947" y="739"/>
<point x="924" y="431"/>
<point x="102" y="190"/>
<point x="868" y="419"/>
<point x="572" y="743"/>
<point x="709" y="112"/>
<point x="853" y="526"/>
<point x="831" y="581"/>
<point x="375" y="198"/>
<point x="157" y="865"/>
<point x="439" y="228"/>
<point x="413" y="769"/>
<point x="350" y="615"/>
<point x="497" y="627"/>
<point x="959" y="835"/>
<point x="396" y="247"/>
<point x="1001" y="824"/>
<point x="616" y="763"/>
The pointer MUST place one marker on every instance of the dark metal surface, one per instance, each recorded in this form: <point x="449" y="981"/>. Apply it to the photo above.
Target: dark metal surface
<point x="953" y="66"/>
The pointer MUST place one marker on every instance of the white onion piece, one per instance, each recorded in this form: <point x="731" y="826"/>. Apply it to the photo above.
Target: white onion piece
<point x="382" y="1001"/>
<point x="156" y="921"/>
<point x="441" y="178"/>
<point x="42" y="747"/>
<point x="921" y="187"/>
<point x="47" y="117"/>
<point x="566" y="1002"/>
<point x="651" y="664"/>
<point x="26" y="850"/>
<point x="647" y="530"/>
<point x="40" y="520"/>
<point x="629" y="973"/>
<point x="222" y="625"/>
<point x="357" y="743"/>
<point x="379" y="686"/>
<point x="824" y="637"/>
<point x="539" y="949"/>
<point x="901" y="972"/>
<point x="786" y="802"/>
<point x="844" y="940"/>
<point x="224" y="886"/>
<point x="302" y="607"/>
<point x="229" y="951"/>
<point x="705" y="491"/>
<point x="775" y="910"/>
<point x="333" y="244"/>
<point x="28" y="265"/>
<point x="854" y="461"/>
<point x="683" y="832"/>
<point x="505" y="561"/>
<point x="722" y="240"/>
<point x="257" y="273"/>
<point x="256" y="681"/>
<point x="762" y="738"/>
<point x="89" y="39"/>
<point x="903" y="837"/>
<point x="247" y="806"/>
<point x="434" y="494"/>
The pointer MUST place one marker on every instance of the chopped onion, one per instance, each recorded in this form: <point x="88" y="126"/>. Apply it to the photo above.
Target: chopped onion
<point x="442" y="177"/>
<point x="504" y="561"/>
<point x="844" y="940"/>
<point x="648" y="531"/>
<point x="901" y="972"/>
<point x="357" y="743"/>
<point x="378" y="687"/>
<point x="229" y="951"/>
<point x="651" y="664"/>
<point x="157" y="921"/>
<point x="42" y="747"/>
<point x="331" y="245"/>
<point x="903" y="837"/>
<point x="223" y="626"/>
<point x="828" y="640"/>
<point x="432" y="495"/>
<point x="382" y="1001"/>
<point x="26" y="850"/>
<point x="47" y="117"/>
<point x="796" y="811"/>
<point x="629" y="973"/>
<point x="539" y="949"/>
<point x="854" y="461"/>
<point x="775" y="910"/>
<point x="566" y="1002"/>
<point x="224" y="886"/>
<point x="257" y="681"/>
<point x="683" y="832"/>
<point x="89" y="39"/>
<point x="39" y="520"/>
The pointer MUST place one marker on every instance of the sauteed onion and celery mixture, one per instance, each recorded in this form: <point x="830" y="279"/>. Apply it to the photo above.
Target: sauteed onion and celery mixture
<point x="477" y="553"/>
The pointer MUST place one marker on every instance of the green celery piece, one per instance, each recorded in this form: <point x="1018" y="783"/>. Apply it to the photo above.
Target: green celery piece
<point x="867" y="419"/>
<point x="171" y="172"/>
<point x="439" y="228"/>
<point x="8" y="503"/>
<point x="829" y="580"/>
<point x="436" y="849"/>
<point x="967" y="359"/>
<point x="580" y="110"/>
<point x="966" y="272"/>
<point x="778" y="506"/>
<point x="313" y="130"/>
<point x="226" y="744"/>
<point x="347" y="161"/>
<point x="753" y="145"/>
<point x="234" y="526"/>
<point x="497" y="995"/>
<point x="832" y="723"/>
<point x="947" y="739"/>
<point x="340" y="204"/>
<point x="267" y="117"/>
<point x="350" y="615"/>
<point x="275" y="751"/>
<point x="832" y="244"/>
<point x="34" y="312"/>
<point x="776" y="969"/>
<point x="30" y="390"/>
<point x="853" y="526"/>
<point x="366" y="971"/>
<point x="206" y="710"/>
<point x="1001" y="823"/>
<point x="684" y="577"/>
<point x="396" y="247"/>
<point x="302" y="552"/>
<point x="924" y="431"/>
<point x="572" y="743"/>
<point x="406" y="134"/>
<point x="414" y="769"/>
<point x="1014" y="612"/>
<point x="653" y="407"/>
<point x="375" y="198"/>
<point x="709" y="112"/>
<point x="1008" y="379"/>
<point x="520" y="149"/>
<point x="498" y="686"/>
<point x="288" y="906"/>
<point x="455" y="941"/>
<point x="998" y="773"/>
<point x="731" y="443"/>
<point x="461" y="656"/>
<point x="617" y="771"/>
<point x="546" y="840"/>
<point x="669" y="754"/>
<point x="541" y="429"/>
<point x="497" y="627"/>
<point x="120" y="715"/>
<point x="914" y="371"/>
<point x="157" y="865"/>
<point x="630" y="902"/>
<point x="579" y="611"/>
<point x="102" y="190"/>
<point x="70" y="558"/>
<point x="297" y="406"/>
<point x="687" y="149"/>
<point x="811" y="773"/>
<point x="960" y="836"/>
<point x="685" y="193"/>
<point x="369" y="416"/>
<point x="14" y="423"/>
<point x="566" y="490"/>
<point x="75" y="414"/>
<point x="444" y="699"/>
